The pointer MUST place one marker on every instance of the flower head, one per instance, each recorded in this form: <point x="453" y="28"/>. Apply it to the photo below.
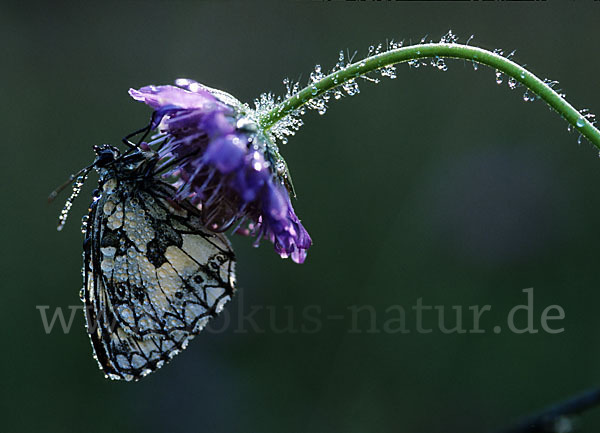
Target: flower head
<point x="224" y="165"/>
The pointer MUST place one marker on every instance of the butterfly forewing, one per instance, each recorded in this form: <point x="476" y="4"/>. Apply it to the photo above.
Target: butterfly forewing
<point x="153" y="276"/>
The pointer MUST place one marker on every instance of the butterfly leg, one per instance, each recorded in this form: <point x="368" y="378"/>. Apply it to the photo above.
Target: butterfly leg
<point x="145" y="130"/>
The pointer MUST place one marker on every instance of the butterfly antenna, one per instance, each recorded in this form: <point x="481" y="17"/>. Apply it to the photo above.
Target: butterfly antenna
<point x="77" y="180"/>
<point x="68" y="182"/>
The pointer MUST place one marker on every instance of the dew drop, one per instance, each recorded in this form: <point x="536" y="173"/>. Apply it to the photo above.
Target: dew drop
<point x="388" y="71"/>
<point x="528" y="97"/>
<point x="414" y="63"/>
<point x="351" y="88"/>
<point x="512" y="83"/>
<point x="182" y="82"/>
<point x="499" y="77"/>
<point x="580" y="122"/>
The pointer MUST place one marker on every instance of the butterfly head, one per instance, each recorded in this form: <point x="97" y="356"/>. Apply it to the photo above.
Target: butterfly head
<point x="136" y="165"/>
<point x="105" y="155"/>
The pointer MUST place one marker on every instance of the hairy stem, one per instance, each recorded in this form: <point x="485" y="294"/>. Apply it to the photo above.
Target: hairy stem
<point x="441" y="50"/>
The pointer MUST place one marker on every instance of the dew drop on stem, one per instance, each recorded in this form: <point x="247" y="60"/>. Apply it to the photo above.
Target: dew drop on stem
<point x="499" y="77"/>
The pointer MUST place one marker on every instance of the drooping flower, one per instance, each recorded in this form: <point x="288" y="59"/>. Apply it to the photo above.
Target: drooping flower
<point x="224" y="164"/>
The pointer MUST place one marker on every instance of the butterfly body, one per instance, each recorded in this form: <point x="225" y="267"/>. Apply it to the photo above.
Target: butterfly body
<point x="153" y="275"/>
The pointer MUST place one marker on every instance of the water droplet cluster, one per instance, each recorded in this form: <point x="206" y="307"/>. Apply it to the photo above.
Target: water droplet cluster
<point x="319" y="100"/>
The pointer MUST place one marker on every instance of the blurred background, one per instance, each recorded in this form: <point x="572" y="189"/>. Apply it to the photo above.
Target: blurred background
<point x="438" y="185"/>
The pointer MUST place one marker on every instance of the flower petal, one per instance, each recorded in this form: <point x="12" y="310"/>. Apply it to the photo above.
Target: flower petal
<point x="159" y="97"/>
<point x="226" y="153"/>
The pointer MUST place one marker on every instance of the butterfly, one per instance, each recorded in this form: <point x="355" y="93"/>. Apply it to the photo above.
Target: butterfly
<point x="153" y="274"/>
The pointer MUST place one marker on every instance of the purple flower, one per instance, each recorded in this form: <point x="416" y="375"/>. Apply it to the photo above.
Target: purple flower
<point x="223" y="164"/>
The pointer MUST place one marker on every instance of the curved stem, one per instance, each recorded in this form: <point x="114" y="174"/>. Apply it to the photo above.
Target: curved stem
<point x="442" y="50"/>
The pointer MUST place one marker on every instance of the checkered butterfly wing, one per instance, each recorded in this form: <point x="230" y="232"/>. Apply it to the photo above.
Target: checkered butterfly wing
<point x="153" y="276"/>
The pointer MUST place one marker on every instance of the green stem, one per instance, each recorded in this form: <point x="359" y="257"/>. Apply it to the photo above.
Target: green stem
<point x="441" y="50"/>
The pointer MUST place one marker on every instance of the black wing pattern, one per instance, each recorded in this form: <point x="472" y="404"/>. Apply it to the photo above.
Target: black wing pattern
<point x="153" y="277"/>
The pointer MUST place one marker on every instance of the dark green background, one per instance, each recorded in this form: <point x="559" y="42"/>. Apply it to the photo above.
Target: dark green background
<point x="440" y="185"/>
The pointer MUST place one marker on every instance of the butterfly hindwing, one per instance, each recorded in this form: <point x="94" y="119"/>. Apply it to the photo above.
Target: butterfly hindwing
<point x="153" y="276"/>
